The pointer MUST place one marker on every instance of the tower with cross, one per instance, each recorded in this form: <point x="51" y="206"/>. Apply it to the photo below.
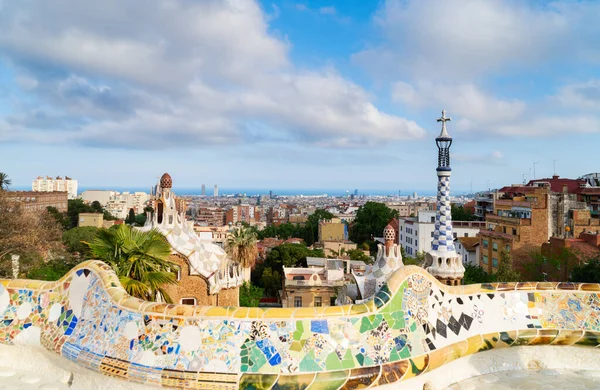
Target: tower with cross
<point x="444" y="263"/>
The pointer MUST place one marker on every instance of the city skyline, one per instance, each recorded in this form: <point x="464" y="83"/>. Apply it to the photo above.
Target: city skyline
<point x="303" y="94"/>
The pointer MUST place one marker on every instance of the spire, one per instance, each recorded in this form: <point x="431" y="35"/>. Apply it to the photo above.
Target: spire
<point x="444" y="119"/>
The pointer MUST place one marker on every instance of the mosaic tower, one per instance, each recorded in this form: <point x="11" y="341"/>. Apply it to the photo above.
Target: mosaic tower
<point x="445" y="264"/>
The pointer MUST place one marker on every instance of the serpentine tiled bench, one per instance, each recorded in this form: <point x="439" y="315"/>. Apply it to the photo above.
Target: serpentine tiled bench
<point x="414" y="325"/>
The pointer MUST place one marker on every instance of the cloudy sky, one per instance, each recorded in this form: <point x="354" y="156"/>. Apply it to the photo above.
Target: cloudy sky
<point x="298" y="94"/>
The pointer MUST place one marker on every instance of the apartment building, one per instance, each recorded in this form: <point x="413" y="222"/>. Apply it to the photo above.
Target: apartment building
<point x="210" y="216"/>
<point x="38" y="201"/>
<point x="416" y="233"/>
<point x="242" y="213"/>
<point x="58" y="184"/>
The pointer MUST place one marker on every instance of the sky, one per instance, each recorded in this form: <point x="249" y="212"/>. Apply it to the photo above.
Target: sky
<point x="298" y="94"/>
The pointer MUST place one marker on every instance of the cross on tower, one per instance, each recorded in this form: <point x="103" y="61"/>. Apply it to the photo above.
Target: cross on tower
<point x="444" y="119"/>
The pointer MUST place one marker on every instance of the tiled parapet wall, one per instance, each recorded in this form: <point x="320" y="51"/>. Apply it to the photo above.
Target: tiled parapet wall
<point x="413" y="325"/>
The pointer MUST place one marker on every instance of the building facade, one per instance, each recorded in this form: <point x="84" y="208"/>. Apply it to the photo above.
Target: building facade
<point x="416" y="234"/>
<point x="90" y="219"/>
<point x="48" y="184"/>
<point x="311" y="287"/>
<point x="38" y="201"/>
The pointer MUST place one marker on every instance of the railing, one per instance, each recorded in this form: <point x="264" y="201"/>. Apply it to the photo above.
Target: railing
<point x="508" y="220"/>
<point x="495" y="234"/>
<point x="314" y="283"/>
<point x="511" y="203"/>
<point x="477" y="224"/>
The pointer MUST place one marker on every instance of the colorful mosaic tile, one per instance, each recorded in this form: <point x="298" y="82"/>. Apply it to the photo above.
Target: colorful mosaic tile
<point x="414" y="325"/>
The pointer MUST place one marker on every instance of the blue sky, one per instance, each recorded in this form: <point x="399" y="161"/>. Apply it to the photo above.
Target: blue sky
<point x="298" y="94"/>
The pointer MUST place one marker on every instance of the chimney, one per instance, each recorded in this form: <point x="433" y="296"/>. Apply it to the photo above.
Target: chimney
<point x="555" y="177"/>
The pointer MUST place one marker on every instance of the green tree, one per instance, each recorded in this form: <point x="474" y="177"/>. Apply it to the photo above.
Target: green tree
<point x="587" y="272"/>
<point x="418" y="260"/>
<point x="61" y="218"/>
<point x="53" y="269"/>
<point x="250" y="295"/>
<point x="241" y="247"/>
<point x="357" y="254"/>
<point x="371" y="219"/>
<point x="130" y="220"/>
<point x="459" y="213"/>
<point x="77" y="206"/>
<point x="5" y="182"/>
<point x="108" y="216"/>
<point x="475" y="274"/>
<point x="96" y="207"/>
<point x="271" y="281"/>
<point x="140" y="219"/>
<point x="75" y="239"/>
<point x="140" y="259"/>
<point x="505" y="272"/>
<point x="555" y="267"/>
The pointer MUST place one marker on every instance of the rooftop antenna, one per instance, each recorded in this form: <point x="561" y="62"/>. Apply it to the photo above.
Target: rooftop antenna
<point x="534" y="164"/>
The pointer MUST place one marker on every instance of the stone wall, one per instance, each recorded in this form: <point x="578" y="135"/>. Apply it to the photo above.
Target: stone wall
<point x="412" y="326"/>
<point x="195" y="286"/>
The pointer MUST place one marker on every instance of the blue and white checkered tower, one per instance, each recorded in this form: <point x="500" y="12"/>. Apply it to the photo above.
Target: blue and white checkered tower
<point x="446" y="265"/>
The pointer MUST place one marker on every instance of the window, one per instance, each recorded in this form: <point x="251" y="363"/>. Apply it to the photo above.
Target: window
<point x="466" y="235"/>
<point x="485" y="259"/>
<point x="431" y="234"/>
<point x="494" y="262"/>
<point x="188" y="301"/>
<point x="485" y="244"/>
<point x="495" y="246"/>
<point x="178" y="273"/>
<point x="318" y="302"/>
<point x="432" y="219"/>
<point x="297" y="301"/>
<point x="514" y="232"/>
<point x="417" y="233"/>
<point x="507" y="248"/>
<point x="454" y="235"/>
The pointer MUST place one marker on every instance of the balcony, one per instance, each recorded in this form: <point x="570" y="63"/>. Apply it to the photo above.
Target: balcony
<point x="475" y="224"/>
<point x="512" y="203"/>
<point x="494" y="234"/>
<point x="314" y="283"/>
<point x="508" y="220"/>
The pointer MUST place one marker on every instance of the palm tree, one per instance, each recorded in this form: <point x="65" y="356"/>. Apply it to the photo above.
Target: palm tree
<point x="4" y="181"/>
<point x="241" y="247"/>
<point x="140" y="259"/>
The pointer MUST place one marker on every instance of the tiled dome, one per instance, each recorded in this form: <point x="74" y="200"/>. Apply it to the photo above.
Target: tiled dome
<point x="388" y="233"/>
<point x="166" y="181"/>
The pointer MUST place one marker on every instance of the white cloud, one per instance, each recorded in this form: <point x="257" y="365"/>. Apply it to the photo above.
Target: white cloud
<point x="585" y="96"/>
<point x="179" y="73"/>
<point x="465" y="39"/>
<point x="328" y="10"/>
<point x="466" y="100"/>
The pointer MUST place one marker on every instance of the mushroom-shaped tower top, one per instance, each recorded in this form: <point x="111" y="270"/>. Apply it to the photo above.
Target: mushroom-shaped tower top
<point x="166" y="181"/>
<point x="389" y="234"/>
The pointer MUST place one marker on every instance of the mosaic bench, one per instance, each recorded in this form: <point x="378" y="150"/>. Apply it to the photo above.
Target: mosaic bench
<point x="412" y="326"/>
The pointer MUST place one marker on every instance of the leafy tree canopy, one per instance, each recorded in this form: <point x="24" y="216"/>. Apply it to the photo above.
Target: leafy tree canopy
<point x="459" y="213"/>
<point x="588" y="272"/>
<point x="371" y="219"/>
<point x="505" y="272"/>
<point x="250" y="295"/>
<point x="75" y="239"/>
<point x="357" y="254"/>
<point x="474" y="274"/>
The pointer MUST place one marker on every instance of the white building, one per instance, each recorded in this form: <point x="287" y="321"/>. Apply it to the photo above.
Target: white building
<point x="416" y="233"/>
<point x="48" y="184"/>
<point x="101" y="196"/>
<point x="120" y="204"/>
<point x="466" y="248"/>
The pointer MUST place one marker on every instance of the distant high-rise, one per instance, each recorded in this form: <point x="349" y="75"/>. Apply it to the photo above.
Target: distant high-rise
<point x="49" y="184"/>
<point x="216" y="191"/>
<point x="356" y="192"/>
<point x="203" y="190"/>
<point x="271" y="194"/>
